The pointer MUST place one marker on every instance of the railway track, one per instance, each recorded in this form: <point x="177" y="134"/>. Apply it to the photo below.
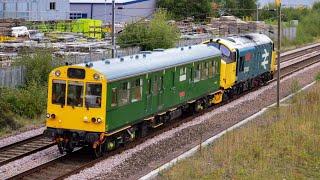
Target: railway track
<point x="287" y="56"/>
<point x="23" y="148"/>
<point x="77" y="161"/>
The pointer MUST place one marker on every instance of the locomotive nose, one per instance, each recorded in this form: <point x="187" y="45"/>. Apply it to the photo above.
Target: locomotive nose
<point x="76" y="100"/>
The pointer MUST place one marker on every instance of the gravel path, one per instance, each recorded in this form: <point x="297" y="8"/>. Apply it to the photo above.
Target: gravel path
<point x="21" y="136"/>
<point x="138" y="161"/>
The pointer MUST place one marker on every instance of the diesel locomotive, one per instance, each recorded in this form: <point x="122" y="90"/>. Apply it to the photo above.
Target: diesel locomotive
<point x="107" y="103"/>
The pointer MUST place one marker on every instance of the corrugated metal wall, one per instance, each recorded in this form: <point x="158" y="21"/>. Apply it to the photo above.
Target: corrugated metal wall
<point x="124" y="12"/>
<point x="35" y="10"/>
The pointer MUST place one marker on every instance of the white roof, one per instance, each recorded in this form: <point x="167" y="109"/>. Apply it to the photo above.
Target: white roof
<point x="152" y="62"/>
<point x="105" y="1"/>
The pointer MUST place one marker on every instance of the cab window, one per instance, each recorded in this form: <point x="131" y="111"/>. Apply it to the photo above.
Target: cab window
<point x="227" y="55"/>
<point x="58" y="92"/>
<point x="75" y="94"/>
<point x="93" y="95"/>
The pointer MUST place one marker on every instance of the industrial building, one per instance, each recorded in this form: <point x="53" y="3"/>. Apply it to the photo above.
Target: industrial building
<point x="35" y="10"/>
<point x="126" y="10"/>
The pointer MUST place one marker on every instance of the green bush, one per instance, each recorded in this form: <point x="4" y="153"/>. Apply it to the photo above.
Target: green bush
<point x="180" y="9"/>
<point x="38" y="66"/>
<point x="155" y="34"/>
<point x="30" y="100"/>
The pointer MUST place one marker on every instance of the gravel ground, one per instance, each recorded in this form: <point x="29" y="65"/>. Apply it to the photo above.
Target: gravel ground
<point x="21" y="136"/>
<point x="28" y="162"/>
<point x="138" y="161"/>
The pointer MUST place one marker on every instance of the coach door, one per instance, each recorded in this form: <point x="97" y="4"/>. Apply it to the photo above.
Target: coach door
<point x="149" y="95"/>
<point x="155" y="92"/>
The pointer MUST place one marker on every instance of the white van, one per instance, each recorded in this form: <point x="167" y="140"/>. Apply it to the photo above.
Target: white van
<point x="20" y="31"/>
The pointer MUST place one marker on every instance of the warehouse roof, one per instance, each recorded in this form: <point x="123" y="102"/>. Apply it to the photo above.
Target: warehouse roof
<point x="121" y="68"/>
<point x="105" y="1"/>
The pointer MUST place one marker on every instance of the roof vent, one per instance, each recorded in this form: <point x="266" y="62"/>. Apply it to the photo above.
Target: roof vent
<point x="121" y="59"/>
<point x="89" y="65"/>
<point x="103" y="59"/>
<point x="107" y="62"/>
<point x="182" y="49"/>
<point x="190" y="47"/>
<point x="158" y="50"/>
<point x="131" y="57"/>
<point x="144" y="55"/>
<point x="146" y="52"/>
<point x="137" y="56"/>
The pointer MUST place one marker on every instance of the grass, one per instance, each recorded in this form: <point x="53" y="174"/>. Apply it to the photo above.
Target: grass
<point x="14" y="124"/>
<point x="288" y="148"/>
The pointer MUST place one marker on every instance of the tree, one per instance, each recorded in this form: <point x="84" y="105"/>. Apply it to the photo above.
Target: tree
<point x="180" y="9"/>
<point x="157" y="33"/>
<point x="239" y="8"/>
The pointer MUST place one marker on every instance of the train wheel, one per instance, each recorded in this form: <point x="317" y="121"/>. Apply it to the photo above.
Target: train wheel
<point x="98" y="151"/>
<point x="69" y="148"/>
<point x="61" y="147"/>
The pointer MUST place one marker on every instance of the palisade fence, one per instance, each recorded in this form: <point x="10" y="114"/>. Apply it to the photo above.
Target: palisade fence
<point x="12" y="77"/>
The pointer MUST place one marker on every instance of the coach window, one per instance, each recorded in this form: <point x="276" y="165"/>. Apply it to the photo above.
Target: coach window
<point x="183" y="74"/>
<point x="211" y="69"/>
<point x="114" y="97"/>
<point x="58" y="92"/>
<point x="204" y="71"/>
<point x="155" y="86"/>
<point x="124" y="94"/>
<point x="93" y="95"/>
<point x="75" y="94"/>
<point x="197" y="73"/>
<point x="136" y="90"/>
<point x="216" y="67"/>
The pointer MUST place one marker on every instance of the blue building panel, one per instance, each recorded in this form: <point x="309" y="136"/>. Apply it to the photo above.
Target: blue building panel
<point x="35" y="10"/>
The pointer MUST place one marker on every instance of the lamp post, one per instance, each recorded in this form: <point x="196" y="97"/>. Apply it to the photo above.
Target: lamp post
<point x="278" y="3"/>
<point x="113" y="30"/>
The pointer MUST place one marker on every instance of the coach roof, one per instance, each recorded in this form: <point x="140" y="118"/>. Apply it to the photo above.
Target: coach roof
<point x="158" y="60"/>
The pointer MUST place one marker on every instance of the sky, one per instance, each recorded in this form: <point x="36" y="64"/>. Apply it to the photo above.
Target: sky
<point x="290" y="2"/>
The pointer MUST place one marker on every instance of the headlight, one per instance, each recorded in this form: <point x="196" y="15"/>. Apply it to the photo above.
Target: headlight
<point x="48" y="115"/>
<point x="96" y="76"/>
<point x="57" y="73"/>
<point x="99" y="120"/>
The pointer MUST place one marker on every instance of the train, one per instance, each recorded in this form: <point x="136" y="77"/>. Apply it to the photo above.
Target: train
<point x="106" y="104"/>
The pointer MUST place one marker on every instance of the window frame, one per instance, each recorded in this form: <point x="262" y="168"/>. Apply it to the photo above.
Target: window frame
<point x="122" y="92"/>
<point x="86" y="94"/>
<point x="197" y="72"/>
<point x="182" y="74"/>
<point x="114" y="97"/>
<point x="76" y="83"/>
<point x="137" y="84"/>
<point x="52" y="6"/>
<point x="65" y="91"/>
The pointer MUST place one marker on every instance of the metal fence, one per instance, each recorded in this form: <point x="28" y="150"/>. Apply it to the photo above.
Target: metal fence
<point x="12" y="77"/>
